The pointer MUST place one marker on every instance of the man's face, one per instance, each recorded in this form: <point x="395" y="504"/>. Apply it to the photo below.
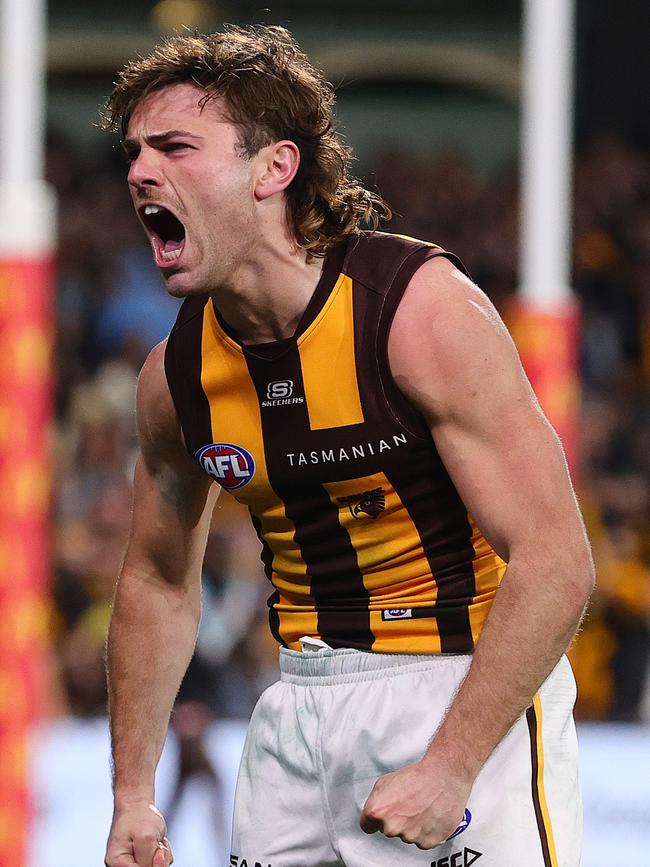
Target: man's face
<point x="193" y="192"/>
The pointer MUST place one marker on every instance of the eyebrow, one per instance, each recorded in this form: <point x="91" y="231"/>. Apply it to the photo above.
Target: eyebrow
<point x="158" y="138"/>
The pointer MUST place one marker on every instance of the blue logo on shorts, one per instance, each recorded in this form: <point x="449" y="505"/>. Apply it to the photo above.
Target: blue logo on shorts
<point x="231" y="466"/>
<point x="464" y="825"/>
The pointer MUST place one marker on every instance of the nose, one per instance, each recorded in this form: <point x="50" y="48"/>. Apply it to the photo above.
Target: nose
<point x="144" y="170"/>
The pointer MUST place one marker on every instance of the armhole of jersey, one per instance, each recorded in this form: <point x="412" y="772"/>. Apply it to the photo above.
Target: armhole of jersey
<point x="182" y="364"/>
<point x="403" y="410"/>
<point x="171" y="375"/>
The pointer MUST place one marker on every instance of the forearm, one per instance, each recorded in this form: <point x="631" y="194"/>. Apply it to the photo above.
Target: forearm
<point x="150" y="643"/>
<point x="531" y="624"/>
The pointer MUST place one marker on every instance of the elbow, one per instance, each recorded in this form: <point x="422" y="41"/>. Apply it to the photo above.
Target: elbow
<point x="566" y="571"/>
<point x="581" y="577"/>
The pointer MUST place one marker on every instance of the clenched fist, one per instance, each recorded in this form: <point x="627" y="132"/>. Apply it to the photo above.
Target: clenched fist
<point x="420" y="804"/>
<point x="137" y="837"/>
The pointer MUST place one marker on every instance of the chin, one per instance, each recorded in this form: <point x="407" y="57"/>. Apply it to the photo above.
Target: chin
<point x="181" y="285"/>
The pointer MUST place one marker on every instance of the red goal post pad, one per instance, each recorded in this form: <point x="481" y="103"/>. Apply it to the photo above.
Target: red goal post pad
<point x="26" y="381"/>
<point x="548" y="341"/>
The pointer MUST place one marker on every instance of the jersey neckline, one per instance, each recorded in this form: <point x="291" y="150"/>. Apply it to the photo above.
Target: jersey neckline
<point x="326" y="283"/>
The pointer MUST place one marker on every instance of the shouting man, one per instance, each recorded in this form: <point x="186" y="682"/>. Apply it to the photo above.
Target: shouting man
<point x="360" y="395"/>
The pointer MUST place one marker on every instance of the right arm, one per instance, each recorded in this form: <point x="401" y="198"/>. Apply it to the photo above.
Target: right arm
<point x="155" y="615"/>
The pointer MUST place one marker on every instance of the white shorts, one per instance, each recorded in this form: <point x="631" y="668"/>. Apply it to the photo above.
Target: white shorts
<point x="338" y="719"/>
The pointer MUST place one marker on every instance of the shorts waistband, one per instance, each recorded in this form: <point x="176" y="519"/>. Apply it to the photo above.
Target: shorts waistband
<point x="346" y="665"/>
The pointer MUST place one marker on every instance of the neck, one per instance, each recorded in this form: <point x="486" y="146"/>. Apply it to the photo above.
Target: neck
<point x="268" y="293"/>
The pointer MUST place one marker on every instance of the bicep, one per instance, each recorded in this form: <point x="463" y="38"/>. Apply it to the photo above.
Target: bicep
<point x="171" y="520"/>
<point x="510" y="471"/>
<point x="172" y="498"/>
<point x="466" y="378"/>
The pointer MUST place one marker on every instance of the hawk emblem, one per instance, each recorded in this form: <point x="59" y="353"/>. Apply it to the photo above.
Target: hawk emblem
<point x="369" y="503"/>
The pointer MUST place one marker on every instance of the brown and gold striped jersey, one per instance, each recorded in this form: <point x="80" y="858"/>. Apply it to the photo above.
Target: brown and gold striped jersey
<point x="364" y="536"/>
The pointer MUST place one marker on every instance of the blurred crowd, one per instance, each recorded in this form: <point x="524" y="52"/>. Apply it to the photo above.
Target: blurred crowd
<point x="112" y="308"/>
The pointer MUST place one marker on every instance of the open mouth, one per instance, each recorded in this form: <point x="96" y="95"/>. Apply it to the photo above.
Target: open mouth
<point x="167" y="234"/>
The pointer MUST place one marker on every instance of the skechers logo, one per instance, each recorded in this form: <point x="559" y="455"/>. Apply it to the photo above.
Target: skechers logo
<point x="280" y="393"/>
<point x="232" y="466"/>
<point x="369" y="503"/>
<point x="459" y="859"/>
<point x="279" y="388"/>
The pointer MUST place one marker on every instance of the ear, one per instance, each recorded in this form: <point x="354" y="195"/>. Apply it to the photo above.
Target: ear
<point x="278" y="168"/>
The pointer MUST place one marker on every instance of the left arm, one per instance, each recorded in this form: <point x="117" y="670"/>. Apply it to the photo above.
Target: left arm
<point x="453" y="358"/>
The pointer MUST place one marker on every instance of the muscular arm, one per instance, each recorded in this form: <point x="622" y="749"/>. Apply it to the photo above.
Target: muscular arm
<point x="453" y="358"/>
<point x="156" y="611"/>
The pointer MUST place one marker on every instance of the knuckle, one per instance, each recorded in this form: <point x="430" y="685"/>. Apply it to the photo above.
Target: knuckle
<point x="408" y="835"/>
<point x="425" y="846"/>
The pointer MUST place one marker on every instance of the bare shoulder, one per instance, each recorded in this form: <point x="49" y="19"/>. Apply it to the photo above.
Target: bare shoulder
<point x="453" y="359"/>
<point x="158" y="425"/>
<point x="172" y="497"/>
<point x="448" y="343"/>
<point x="159" y="430"/>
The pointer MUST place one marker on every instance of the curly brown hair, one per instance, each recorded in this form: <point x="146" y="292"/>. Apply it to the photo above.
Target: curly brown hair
<point x="272" y="92"/>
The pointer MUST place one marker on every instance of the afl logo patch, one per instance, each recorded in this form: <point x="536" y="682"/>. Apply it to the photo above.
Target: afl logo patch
<point x="464" y="825"/>
<point x="231" y="466"/>
<point x="397" y="614"/>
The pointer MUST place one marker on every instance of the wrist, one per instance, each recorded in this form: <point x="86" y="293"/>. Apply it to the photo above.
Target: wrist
<point x="454" y="755"/>
<point x="125" y="797"/>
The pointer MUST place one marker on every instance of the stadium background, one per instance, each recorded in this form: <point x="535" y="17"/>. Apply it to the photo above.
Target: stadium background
<point x="429" y="97"/>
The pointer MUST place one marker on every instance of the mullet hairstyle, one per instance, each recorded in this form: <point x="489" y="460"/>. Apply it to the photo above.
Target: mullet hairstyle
<point x="272" y="92"/>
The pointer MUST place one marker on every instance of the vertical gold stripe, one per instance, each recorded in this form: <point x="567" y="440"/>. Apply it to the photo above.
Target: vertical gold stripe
<point x="295" y="607"/>
<point x="537" y="704"/>
<point x="234" y="407"/>
<point x="388" y="548"/>
<point x="405" y="636"/>
<point x="393" y="564"/>
<point x="279" y="531"/>
<point x="235" y="418"/>
<point x="489" y="570"/>
<point x="296" y="622"/>
<point x="328" y="363"/>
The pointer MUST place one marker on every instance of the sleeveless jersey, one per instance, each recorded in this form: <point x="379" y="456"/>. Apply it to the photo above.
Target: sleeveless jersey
<point x="364" y="537"/>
